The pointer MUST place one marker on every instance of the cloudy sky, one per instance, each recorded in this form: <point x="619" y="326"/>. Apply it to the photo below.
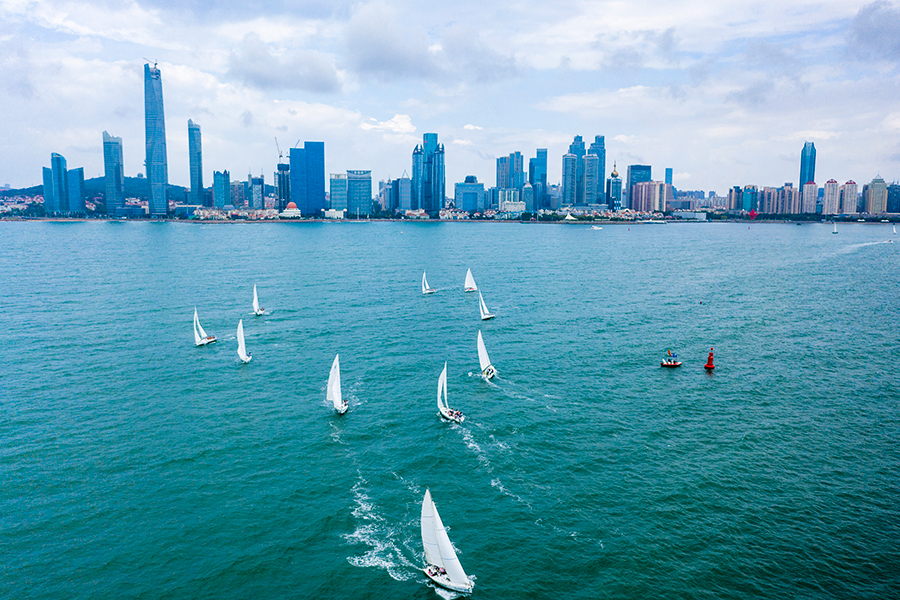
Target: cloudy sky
<point x="723" y="91"/>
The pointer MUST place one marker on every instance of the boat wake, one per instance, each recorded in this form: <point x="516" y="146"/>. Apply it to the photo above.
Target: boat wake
<point x="496" y="483"/>
<point x="854" y="247"/>
<point x="374" y="531"/>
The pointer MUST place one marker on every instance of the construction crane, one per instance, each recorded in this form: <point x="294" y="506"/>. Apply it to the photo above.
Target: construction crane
<point x="277" y="147"/>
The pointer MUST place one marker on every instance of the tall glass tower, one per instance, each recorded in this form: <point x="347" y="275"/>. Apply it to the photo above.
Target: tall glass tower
<point x="307" y="172"/>
<point x="428" y="174"/>
<point x="537" y="177"/>
<point x="156" y="164"/>
<point x="807" y="164"/>
<point x="114" y="172"/>
<point x="577" y="149"/>
<point x="598" y="149"/>
<point x="195" y="154"/>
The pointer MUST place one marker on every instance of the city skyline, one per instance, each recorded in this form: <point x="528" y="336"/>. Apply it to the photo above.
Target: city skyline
<point x="722" y="94"/>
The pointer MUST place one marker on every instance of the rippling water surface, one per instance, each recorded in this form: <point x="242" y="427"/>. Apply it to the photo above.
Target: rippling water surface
<point x="133" y="464"/>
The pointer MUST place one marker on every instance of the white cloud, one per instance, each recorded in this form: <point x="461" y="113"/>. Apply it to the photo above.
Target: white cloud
<point x="396" y="124"/>
<point x="471" y="127"/>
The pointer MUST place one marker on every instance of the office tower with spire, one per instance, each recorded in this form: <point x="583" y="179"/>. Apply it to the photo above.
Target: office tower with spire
<point x="614" y="190"/>
<point x="114" y="171"/>
<point x="156" y="163"/>
<point x="428" y="174"/>
<point x="195" y="153"/>
<point x="807" y="164"/>
<point x="598" y="149"/>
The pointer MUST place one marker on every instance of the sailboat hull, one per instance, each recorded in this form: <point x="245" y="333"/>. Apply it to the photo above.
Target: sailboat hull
<point x="471" y="289"/>
<point x="489" y="372"/>
<point x="670" y="365"/>
<point x="456" y="419"/>
<point x="444" y="581"/>
<point x="206" y="340"/>
<point x="487" y="317"/>
<point x="428" y="291"/>
<point x="259" y="312"/>
<point x="342" y="409"/>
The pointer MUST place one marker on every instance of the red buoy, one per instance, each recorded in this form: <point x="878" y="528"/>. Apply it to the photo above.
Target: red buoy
<point x="709" y="361"/>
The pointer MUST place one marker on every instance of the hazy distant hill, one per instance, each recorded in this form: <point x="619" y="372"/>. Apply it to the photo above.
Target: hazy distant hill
<point x="135" y="187"/>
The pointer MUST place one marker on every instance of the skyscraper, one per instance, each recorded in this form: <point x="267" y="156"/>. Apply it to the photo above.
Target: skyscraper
<point x="114" y="171"/>
<point x="195" y="153"/>
<point x="337" y="189"/>
<point x="849" y="198"/>
<point x="428" y="174"/>
<point x="635" y="174"/>
<point x="537" y="177"/>
<point x="308" y="178"/>
<point x="669" y="175"/>
<point x="569" y="179"/>
<point x="576" y="148"/>
<point x="592" y="176"/>
<point x="359" y="193"/>
<point x="876" y="196"/>
<point x="56" y="197"/>
<point x="807" y="165"/>
<point x="257" y="192"/>
<point x="598" y="149"/>
<point x="156" y="163"/>
<point x="221" y="188"/>
<point x="283" y="185"/>
<point x="75" y="188"/>
<point x="831" y="199"/>
<point x="469" y="195"/>
<point x="808" y="195"/>
<point x="614" y="190"/>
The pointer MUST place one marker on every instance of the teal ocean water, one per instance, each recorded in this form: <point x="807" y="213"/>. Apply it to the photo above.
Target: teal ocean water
<point x="135" y="465"/>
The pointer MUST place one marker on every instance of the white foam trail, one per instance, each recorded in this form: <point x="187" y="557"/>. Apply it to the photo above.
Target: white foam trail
<point x="499" y="485"/>
<point x="373" y="531"/>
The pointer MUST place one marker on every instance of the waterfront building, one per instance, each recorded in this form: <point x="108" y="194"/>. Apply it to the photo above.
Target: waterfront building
<point x="569" y="179"/>
<point x="876" y="196"/>
<point x="195" y="154"/>
<point x="114" y="172"/>
<point x="735" y="198"/>
<point x="510" y="172"/>
<point x="359" y="193"/>
<point x="831" y="199"/>
<point x="669" y="175"/>
<point x="307" y="168"/>
<point x="614" y="190"/>
<point x="749" y="198"/>
<point x="808" y="197"/>
<point x="509" y="201"/>
<point x="590" y="179"/>
<point x="528" y="197"/>
<point x="155" y="134"/>
<point x="789" y="199"/>
<point x="469" y="196"/>
<point x="282" y="186"/>
<point x="56" y="195"/>
<point x="649" y="196"/>
<point x="768" y="200"/>
<point x="634" y="174"/>
<point x="238" y="195"/>
<point x="75" y="189"/>
<point x="807" y="164"/>
<point x="576" y="148"/>
<point x="893" y="198"/>
<point x="849" y="198"/>
<point x="48" y="190"/>
<point x="537" y="177"/>
<point x="257" y="192"/>
<point x="598" y="149"/>
<point x="337" y="191"/>
<point x="221" y="189"/>
<point x="428" y="174"/>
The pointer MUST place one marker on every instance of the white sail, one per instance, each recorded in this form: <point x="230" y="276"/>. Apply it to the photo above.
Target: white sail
<point x="442" y="388"/>
<point x="255" y="301"/>
<point x="895" y="229"/>
<point x="429" y="539"/>
<point x="425" y="288"/>
<point x="482" y="307"/>
<point x="333" y="391"/>
<point x="483" y="360"/>
<point x="438" y="549"/>
<point x="199" y="326"/>
<point x="197" y="336"/>
<point x="470" y="282"/>
<point x="242" y="349"/>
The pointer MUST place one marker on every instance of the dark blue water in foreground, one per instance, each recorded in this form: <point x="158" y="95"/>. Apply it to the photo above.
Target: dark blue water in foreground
<point x="134" y="465"/>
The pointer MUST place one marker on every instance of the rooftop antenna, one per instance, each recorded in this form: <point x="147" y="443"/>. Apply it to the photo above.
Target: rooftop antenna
<point x="152" y="61"/>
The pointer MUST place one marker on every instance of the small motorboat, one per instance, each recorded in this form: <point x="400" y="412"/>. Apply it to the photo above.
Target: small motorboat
<point x="670" y="361"/>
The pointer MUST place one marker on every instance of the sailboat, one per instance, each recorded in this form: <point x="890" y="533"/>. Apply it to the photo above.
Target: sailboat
<point x="257" y="309"/>
<point x="895" y="230"/>
<point x="835" y="227"/>
<point x="446" y="412"/>
<point x="443" y="565"/>
<point x="333" y="391"/>
<point x="470" y="286"/>
<point x="485" y="313"/>
<point x="242" y="348"/>
<point x="200" y="337"/>
<point x="487" y="369"/>
<point x="425" y="288"/>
